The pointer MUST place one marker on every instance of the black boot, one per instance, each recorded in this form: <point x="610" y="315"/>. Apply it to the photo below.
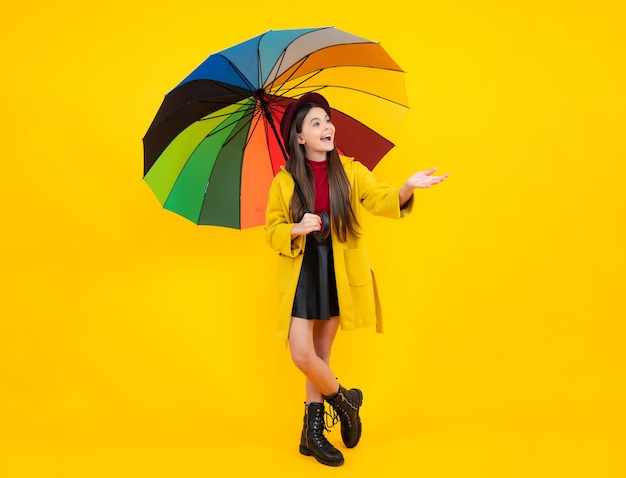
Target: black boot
<point x="313" y="441"/>
<point x="346" y="404"/>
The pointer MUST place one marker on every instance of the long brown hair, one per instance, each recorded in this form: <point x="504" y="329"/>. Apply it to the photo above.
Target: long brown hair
<point x="343" y="221"/>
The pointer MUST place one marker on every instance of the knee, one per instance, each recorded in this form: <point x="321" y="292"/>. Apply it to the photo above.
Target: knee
<point x="303" y="359"/>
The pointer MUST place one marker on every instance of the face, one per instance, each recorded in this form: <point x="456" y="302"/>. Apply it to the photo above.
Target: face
<point x="318" y="134"/>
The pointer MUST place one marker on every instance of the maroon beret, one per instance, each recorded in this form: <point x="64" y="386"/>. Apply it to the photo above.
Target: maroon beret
<point x="292" y="108"/>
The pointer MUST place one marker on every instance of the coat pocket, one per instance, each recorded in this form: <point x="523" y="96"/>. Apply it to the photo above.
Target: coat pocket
<point x="358" y="267"/>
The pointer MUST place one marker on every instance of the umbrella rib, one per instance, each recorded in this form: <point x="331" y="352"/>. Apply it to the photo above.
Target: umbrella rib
<point x="304" y="59"/>
<point x="301" y="62"/>
<point x="297" y="85"/>
<point x="253" y="125"/>
<point x="196" y="148"/>
<point x="239" y="73"/>
<point x="317" y="72"/>
<point x="223" y="115"/>
<point x="225" y="86"/>
<point x="282" y="58"/>
<point x="248" y="111"/>
<point x="321" y="87"/>
<point x="212" y="116"/>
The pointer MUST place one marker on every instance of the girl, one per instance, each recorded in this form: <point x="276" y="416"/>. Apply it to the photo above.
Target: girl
<point x="325" y="279"/>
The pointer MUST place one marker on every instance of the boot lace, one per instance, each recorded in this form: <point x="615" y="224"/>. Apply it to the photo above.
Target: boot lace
<point x="331" y="418"/>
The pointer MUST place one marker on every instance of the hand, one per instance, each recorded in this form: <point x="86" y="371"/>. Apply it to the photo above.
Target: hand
<point x="309" y="223"/>
<point x="425" y="179"/>
<point x="421" y="179"/>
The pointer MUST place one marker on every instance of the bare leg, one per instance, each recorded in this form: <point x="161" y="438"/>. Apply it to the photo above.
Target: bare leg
<point x="310" y="342"/>
<point x="324" y="333"/>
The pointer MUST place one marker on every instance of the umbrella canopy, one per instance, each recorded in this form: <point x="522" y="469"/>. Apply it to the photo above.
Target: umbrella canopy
<point x="213" y="147"/>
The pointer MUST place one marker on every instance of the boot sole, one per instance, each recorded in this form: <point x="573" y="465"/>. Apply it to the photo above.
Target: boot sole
<point x="305" y="451"/>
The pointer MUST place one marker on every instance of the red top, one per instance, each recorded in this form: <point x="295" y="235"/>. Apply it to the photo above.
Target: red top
<point x="320" y="176"/>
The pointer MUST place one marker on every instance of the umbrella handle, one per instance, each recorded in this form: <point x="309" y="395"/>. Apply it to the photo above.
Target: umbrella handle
<point x="325" y="230"/>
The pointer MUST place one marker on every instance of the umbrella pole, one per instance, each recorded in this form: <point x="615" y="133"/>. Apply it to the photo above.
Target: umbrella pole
<point x="260" y="94"/>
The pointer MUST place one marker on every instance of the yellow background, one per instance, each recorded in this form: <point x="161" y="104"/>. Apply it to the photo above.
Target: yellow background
<point x="134" y="343"/>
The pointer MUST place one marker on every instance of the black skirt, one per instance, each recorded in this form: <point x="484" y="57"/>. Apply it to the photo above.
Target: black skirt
<point x="316" y="294"/>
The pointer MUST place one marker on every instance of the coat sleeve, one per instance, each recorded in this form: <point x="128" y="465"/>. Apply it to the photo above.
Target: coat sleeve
<point x="277" y="224"/>
<point x="378" y="198"/>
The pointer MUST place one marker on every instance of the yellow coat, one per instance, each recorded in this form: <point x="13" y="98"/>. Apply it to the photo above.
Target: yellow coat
<point x="359" y="304"/>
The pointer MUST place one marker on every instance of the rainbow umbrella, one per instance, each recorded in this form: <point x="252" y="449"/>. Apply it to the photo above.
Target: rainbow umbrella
<point x="213" y="147"/>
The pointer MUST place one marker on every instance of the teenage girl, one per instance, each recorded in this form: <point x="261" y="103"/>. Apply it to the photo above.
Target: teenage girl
<point x="324" y="276"/>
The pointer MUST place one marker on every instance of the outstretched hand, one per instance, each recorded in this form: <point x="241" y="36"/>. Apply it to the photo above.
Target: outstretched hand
<point x="425" y="179"/>
<point x="421" y="179"/>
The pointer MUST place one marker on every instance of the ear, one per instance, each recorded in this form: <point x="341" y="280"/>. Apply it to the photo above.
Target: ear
<point x="300" y="138"/>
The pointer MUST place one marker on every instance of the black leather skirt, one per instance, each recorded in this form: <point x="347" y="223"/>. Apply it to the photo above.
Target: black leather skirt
<point x="316" y="294"/>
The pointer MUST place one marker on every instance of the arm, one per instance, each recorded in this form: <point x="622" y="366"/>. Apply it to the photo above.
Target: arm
<point x="379" y="198"/>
